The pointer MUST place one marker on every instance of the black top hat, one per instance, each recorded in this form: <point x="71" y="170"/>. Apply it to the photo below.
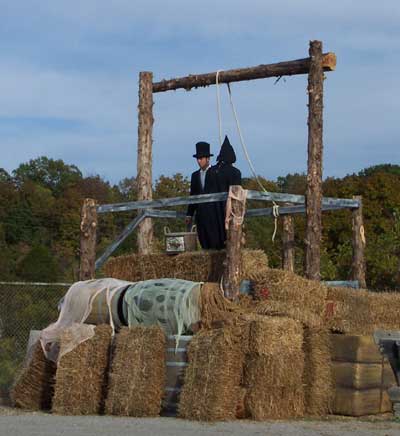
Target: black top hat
<point x="202" y="150"/>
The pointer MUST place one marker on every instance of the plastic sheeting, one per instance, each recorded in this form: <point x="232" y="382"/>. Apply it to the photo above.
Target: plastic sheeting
<point x="75" y="308"/>
<point x="172" y="304"/>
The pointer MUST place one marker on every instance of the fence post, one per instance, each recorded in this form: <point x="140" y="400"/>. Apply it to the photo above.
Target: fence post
<point x="358" y="263"/>
<point x="144" y="156"/>
<point x="88" y="239"/>
<point x="314" y="166"/>
<point x="232" y="265"/>
<point x="288" y="243"/>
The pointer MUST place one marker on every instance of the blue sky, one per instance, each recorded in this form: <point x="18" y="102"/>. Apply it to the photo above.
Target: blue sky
<point x="69" y="82"/>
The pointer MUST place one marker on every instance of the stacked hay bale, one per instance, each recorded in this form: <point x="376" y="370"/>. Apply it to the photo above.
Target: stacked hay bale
<point x="361" y="312"/>
<point x="273" y="375"/>
<point x="81" y="375"/>
<point x="318" y="383"/>
<point x="285" y="293"/>
<point x="212" y="379"/>
<point x="34" y="387"/>
<point x="137" y="378"/>
<point x="361" y="376"/>
<point x="202" y="266"/>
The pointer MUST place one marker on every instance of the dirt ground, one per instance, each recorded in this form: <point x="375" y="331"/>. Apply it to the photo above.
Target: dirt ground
<point x="14" y="422"/>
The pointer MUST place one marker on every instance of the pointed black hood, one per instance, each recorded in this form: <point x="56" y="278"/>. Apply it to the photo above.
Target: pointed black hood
<point x="227" y="153"/>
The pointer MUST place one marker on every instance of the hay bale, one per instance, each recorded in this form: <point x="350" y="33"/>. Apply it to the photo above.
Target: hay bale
<point x="358" y="311"/>
<point x="212" y="379"/>
<point x="318" y="383"/>
<point x="274" y="369"/>
<point x="34" y="387"/>
<point x="201" y="266"/>
<point x="137" y="377"/>
<point x="291" y="289"/>
<point x="81" y="375"/>
<point x="282" y="308"/>
<point x="351" y="311"/>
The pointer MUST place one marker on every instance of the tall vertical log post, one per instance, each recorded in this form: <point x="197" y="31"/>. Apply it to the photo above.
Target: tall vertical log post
<point x="314" y="167"/>
<point x="144" y="157"/>
<point x="233" y="265"/>
<point x="88" y="239"/>
<point x="288" y="243"/>
<point x="358" y="264"/>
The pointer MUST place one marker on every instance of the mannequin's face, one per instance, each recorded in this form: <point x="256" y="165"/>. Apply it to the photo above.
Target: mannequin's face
<point x="203" y="162"/>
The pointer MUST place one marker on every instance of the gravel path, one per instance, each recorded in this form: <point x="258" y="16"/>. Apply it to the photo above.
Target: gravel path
<point x="19" y="423"/>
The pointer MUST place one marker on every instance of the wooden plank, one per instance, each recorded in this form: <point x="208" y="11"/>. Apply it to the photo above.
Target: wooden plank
<point x="209" y="198"/>
<point x="154" y="213"/>
<point x="288" y="68"/>
<point x="343" y="283"/>
<point x="118" y="241"/>
<point x="314" y="166"/>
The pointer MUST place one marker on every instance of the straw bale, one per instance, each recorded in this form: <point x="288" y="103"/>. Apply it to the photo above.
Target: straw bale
<point x="282" y="308"/>
<point x="81" y="375"/>
<point x="137" y="378"/>
<point x="274" y="367"/>
<point x="359" y="311"/>
<point x="291" y="289"/>
<point x="201" y="266"/>
<point x="275" y="336"/>
<point x="275" y="402"/>
<point x="352" y="311"/>
<point x="212" y="378"/>
<point x="34" y="387"/>
<point x="318" y="380"/>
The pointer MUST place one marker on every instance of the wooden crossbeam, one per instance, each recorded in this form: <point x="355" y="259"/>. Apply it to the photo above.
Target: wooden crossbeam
<point x="120" y="239"/>
<point x="289" y="68"/>
<point x="221" y="196"/>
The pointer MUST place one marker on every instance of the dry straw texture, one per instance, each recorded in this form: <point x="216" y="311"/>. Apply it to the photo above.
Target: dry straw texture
<point x="212" y="390"/>
<point x="137" y="378"/>
<point x="202" y="266"/>
<point x="319" y="388"/>
<point x="362" y="312"/>
<point x="291" y="289"/>
<point x="81" y="375"/>
<point x="274" y="369"/>
<point x="34" y="386"/>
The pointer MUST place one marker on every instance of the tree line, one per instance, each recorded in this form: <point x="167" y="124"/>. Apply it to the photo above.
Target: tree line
<point x="40" y="206"/>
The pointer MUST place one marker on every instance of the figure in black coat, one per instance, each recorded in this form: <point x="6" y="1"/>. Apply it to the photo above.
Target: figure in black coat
<point x="208" y="216"/>
<point x="227" y="174"/>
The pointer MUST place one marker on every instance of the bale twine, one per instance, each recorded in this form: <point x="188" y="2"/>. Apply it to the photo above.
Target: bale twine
<point x="273" y="369"/>
<point x="318" y="381"/>
<point x="137" y="378"/>
<point x="291" y="289"/>
<point x="34" y="386"/>
<point x="202" y="266"/>
<point x="81" y="375"/>
<point x="211" y="390"/>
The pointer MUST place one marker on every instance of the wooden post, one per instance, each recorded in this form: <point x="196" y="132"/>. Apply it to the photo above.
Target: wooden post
<point x="232" y="265"/>
<point x="288" y="243"/>
<point x="358" y="264"/>
<point x="314" y="167"/>
<point x="144" y="157"/>
<point x="88" y="239"/>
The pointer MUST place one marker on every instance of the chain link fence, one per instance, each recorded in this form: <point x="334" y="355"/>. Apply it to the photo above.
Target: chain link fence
<point x="23" y="307"/>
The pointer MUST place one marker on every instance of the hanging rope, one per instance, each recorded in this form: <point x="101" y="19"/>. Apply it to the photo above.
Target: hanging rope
<point x="219" y="107"/>
<point x="275" y="207"/>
